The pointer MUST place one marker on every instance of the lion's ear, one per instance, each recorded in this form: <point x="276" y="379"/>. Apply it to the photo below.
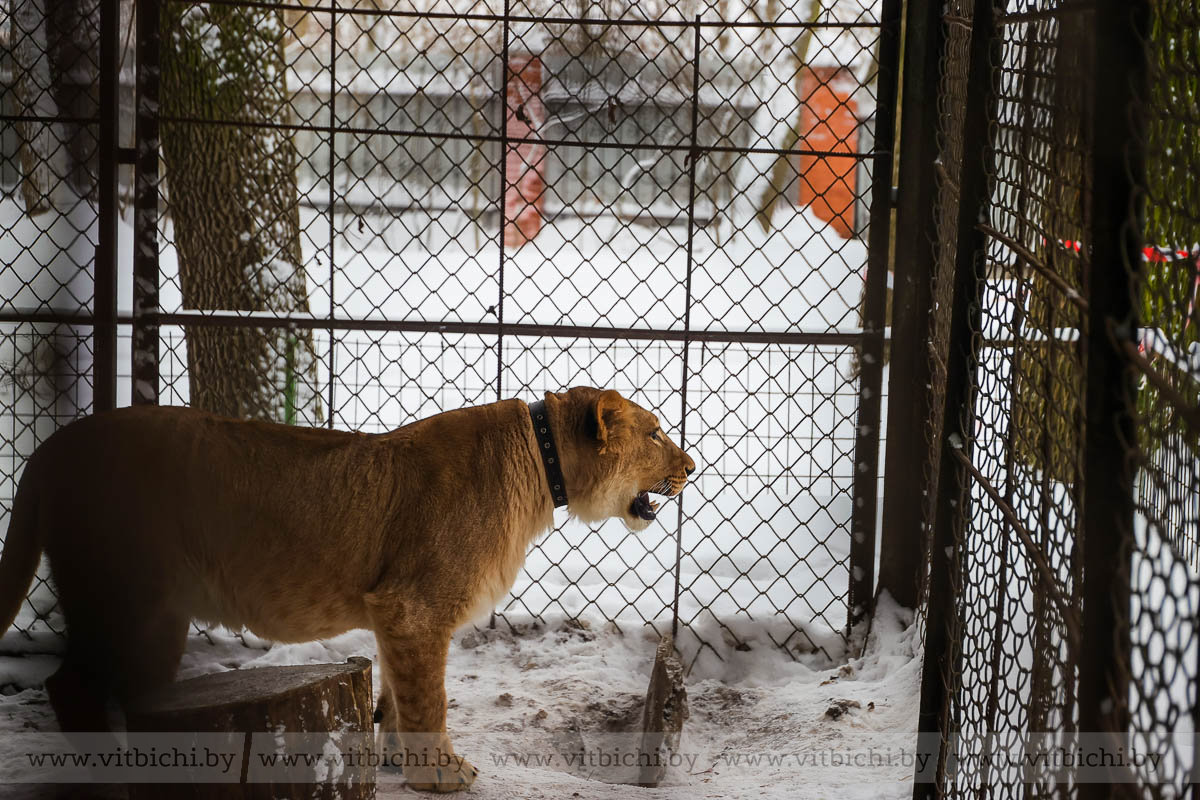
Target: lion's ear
<point x="609" y="407"/>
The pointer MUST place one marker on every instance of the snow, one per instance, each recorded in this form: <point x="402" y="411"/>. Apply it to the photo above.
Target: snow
<point x="519" y="694"/>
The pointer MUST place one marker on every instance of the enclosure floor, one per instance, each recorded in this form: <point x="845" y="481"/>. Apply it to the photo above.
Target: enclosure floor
<point x="538" y="690"/>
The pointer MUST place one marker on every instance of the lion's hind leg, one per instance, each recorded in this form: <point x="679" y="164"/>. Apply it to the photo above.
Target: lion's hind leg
<point x="119" y="646"/>
<point x="79" y="694"/>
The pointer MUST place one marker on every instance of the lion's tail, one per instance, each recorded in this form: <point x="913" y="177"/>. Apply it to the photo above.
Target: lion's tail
<point x="22" y="551"/>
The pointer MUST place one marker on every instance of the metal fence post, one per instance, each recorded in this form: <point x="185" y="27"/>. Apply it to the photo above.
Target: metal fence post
<point x="693" y="154"/>
<point x="104" y="331"/>
<point x="961" y="357"/>
<point x="144" y="369"/>
<point x="502" y="97"/>
<point x="866" y="443"/>
<point x="1117" y="169"/>
<point x="332" y="198"/>
<point x="908" y="401"/>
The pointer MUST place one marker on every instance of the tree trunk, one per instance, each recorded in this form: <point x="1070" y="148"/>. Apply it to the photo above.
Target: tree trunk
<point x="39" y="155"/>
<point x="322" y="711"/>
<point x="235" y="207"/>
<point x="783" y="168"/>
<point x="662" y="718"/>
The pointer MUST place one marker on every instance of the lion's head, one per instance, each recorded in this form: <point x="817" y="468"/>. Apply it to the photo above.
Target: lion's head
<point x="615" y="455"/>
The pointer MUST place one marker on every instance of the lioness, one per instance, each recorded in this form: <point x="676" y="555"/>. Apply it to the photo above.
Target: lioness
<point x="154" y="516"/>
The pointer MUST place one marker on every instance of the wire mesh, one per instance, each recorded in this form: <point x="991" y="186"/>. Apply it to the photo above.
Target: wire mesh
<point x="1018" y="663"/>
<point x="1018" y="655"/>
<point x="1165" y="573"/>
<point x="49" y="232"/>
<point x="368" y="212"/>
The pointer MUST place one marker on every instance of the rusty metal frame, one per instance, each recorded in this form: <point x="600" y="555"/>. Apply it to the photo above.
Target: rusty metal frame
<point x="1118" y="170"/>
<point x="863" y="522"/>
<point x="900" y="567"/>
<point x="104" y="343"/>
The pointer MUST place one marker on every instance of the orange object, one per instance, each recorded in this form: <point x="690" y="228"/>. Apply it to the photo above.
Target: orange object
<point x="525" y="185"/>
<point x="829" y="123"/>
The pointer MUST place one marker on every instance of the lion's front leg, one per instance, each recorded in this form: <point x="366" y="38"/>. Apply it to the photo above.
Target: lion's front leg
<point x="413" y="707"/>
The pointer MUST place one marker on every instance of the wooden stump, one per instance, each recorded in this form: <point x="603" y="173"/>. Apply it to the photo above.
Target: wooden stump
<point x="666" y="709"/>
<point x="322" y="709"/>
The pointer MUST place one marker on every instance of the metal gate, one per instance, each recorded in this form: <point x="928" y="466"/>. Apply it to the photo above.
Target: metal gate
<point x="479" y="201"/>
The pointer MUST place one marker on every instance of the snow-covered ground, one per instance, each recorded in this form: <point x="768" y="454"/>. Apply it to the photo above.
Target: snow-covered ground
<point x="516" y="698"/>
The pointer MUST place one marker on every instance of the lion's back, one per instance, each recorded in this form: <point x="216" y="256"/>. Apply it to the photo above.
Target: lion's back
<point x="232" y="518"/>
<point x="149" y="471"/>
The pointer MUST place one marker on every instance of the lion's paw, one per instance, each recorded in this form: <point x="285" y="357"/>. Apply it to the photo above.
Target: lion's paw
<point x="457" y="775"/>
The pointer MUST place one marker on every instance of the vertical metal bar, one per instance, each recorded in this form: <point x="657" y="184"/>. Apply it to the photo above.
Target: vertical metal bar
<point x="1114" y="253"/>
<point x="909" y="408"/>
<point x="144" y="369"/>
<point x="104" y="343"/>
<point x="909" y="405"/>
<point x="503" y="92"/>
<point x="870" y="389"/>
<point x="332" y="228"/>
<point x="693" y="154"/>
<point x="947" y="558"/>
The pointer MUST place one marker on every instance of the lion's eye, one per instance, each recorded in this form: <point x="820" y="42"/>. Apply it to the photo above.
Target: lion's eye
<point x="656" y="435"/>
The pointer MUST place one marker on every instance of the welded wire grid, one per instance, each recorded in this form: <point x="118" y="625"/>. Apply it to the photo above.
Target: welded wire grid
<point x="491" y="199"/>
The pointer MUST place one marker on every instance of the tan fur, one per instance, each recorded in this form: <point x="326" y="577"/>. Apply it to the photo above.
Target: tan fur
<point x="154" y="516"/>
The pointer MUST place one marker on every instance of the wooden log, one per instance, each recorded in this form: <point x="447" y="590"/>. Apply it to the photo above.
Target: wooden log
<point x="666" y="709"/>
<point x="266" y="709"/>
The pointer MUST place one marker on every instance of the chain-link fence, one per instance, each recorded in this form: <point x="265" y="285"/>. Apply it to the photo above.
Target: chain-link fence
<point x="357" y="214"/>
<point x="1061" y="584"/>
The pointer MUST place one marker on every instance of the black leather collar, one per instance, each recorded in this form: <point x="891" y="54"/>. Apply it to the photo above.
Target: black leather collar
<point x="550" y="459"/>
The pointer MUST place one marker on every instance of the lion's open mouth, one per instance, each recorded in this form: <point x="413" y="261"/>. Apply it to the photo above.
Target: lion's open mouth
<point x="645" y="508"/>
<point x="642" y="506"/>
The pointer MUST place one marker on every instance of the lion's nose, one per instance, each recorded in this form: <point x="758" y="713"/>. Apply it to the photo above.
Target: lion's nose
<point x="690" y="466"/>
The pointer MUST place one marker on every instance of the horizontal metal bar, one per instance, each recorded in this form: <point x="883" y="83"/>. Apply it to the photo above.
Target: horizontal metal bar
<point x="1049" y="578"/>
<point x="516" y="140"/>
<point x="83" y="318"/>
<point x="958" y="21"/>
<point x="1050" y="275"/>
<point x="367" y="11"/>
<point x="1055" y="12"/>
<point x="255" y="320"/>
<point x="345" y="205"/>
<point x="1008" y="344"/>
<point x="47" y="120"/>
